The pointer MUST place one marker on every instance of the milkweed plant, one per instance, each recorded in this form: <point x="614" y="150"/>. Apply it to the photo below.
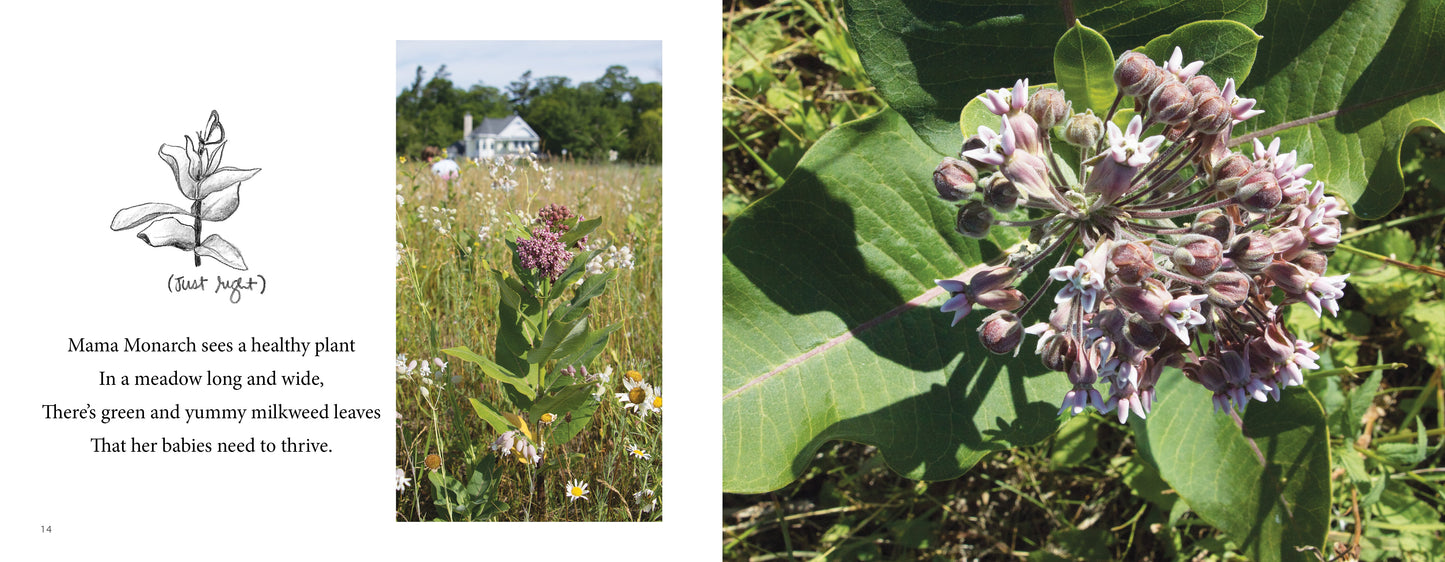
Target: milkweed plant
<point x="1185" y="242"/>
<point x="214" y="192"/>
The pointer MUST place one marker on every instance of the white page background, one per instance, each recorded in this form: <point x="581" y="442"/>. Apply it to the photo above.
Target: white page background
<point x="306" y="94"/>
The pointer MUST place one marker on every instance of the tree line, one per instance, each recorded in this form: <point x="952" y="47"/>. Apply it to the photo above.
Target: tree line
<point x="615" y="112"/>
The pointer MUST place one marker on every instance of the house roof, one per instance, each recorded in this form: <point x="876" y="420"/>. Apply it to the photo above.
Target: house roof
<point x="493" y="126"/>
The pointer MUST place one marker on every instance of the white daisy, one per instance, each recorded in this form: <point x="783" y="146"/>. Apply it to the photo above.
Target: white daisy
<point x="576" y="490"/>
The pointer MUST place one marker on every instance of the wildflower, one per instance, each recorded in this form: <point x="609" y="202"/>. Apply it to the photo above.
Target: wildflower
<point x="635" y="396"/>
<point x="654" y="400"/>
<point x="401" y="480"/>
<point x="638" y="453"/>
<point x="433" y="461"/>
<point x="547" y="418"/>
<point x="576" y="490"/>
<point x="1163" y="238"/>
<point x="516" y="441"/>
<point x="644" y="498"/>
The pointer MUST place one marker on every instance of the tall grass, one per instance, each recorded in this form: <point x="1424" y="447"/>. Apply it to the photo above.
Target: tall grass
<point x="449" y="235"/>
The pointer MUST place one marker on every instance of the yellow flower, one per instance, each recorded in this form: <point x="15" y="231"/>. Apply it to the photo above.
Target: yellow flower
<point x="634" y="376"/>
<point x="433" y="461"/>
<point x="548" y="417"/>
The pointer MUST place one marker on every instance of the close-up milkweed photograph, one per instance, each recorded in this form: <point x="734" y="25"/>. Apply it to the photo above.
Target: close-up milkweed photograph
<point x="1081" y="280"/>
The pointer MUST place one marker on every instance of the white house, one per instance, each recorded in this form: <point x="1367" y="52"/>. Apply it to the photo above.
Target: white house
<point x="496" y="137"/>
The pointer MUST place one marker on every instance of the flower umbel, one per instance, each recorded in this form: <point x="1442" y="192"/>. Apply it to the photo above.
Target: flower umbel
<point x="1168" y="248"/>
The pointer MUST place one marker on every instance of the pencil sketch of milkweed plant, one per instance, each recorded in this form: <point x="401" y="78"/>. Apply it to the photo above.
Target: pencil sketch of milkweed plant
<point x="214" y="192"/>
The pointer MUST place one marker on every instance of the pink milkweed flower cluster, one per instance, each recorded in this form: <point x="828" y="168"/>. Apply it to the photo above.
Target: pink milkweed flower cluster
<point x="1167" y="249"/>
<point x="544" y="251"/>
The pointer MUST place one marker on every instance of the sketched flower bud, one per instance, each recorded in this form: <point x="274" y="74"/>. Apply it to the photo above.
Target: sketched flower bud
<point x="1135" y="74"/>
<point x="1289" y="242"/>
<point x="215" y="133"/>
<point x="954" y="179"/>
<point x="1084" y="129"/>
<point x="1251" y="252"/>
<point x="1131" y="262"/>
<point x="1228" y="289"/>
<point x="1200" y="84"/>
<point x="1047" y="107"/>
<point x="1001" y="332"/>
<point x="1211" y="114"/>
<point x="974" y="220"/>
<point x="1000" y="194"/>
<point x="1259" y="192"/>
<point x="1143" y="333"/>
<point x="1312" y="260"/>
<point x="1213" y="224"/>
<point x="1198" y="255"/>
<point x="1171" y="103"/>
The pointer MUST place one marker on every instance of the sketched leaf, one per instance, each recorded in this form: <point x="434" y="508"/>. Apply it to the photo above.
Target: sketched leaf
<point x="220" y="205"/>
<point x="182" y="165"/>
<point x="1226" y="47"/>
<point x="169" y="232"/>
<point x="224" y="178"/>
<point x="1084" y="67"/>
<point x="831" y="328"/>
<point x="131" y="217"/>
<point x="222" y="251"/>
<point x="1343" y="82"/>
<point x="1268" y="509"/>
<point x="929" y="57"/>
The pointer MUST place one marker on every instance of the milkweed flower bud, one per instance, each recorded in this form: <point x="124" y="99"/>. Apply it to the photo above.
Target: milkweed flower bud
<point x="1251" y="252"/>
<point x="1198" y="255"/>
<point x="1200" y="85"/>
<point x="1211" y="114"/>
<point x="1084" y="129"/>
<point x="1000" y="194"/>
<point x="1047" y="107"/>
<point x="1258" y="192"/>
<point x="954" y="179"/>
<point x="1213" y="224"/>
<point x="1131" y="262"/>
<point x="1228" y="289"/>
<point x="1001" y="332"/>
<point x="974" y="220"/>
<point x="1135" y="74"/>
<point x="1171" y="103"/>
<point x="1147" y="300"/>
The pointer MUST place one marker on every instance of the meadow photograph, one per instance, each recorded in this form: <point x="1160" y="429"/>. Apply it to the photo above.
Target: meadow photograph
<point x="1072" y="280"/>
<point x="529" y="281"/>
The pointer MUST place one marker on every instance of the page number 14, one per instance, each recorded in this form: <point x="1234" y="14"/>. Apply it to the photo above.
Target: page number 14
<point x="45" y="528"/>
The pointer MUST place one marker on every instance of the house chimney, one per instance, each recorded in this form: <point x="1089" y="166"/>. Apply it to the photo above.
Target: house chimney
<point x="467" y="126"/>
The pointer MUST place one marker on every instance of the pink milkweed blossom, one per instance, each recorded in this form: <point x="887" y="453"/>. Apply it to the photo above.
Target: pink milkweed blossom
<point x="1160" y="250"/>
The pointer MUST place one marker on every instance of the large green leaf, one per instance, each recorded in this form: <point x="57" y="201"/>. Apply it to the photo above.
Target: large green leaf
<point x="1343" y="82"/>
<point x="831" y="328"/>
<point x="1084" y="66"/>
<point x="1266" y="484"/>
<point x="929" y="57"/>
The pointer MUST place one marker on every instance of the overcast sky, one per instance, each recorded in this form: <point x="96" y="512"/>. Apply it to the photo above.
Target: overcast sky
<point x="498" y="63"/>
